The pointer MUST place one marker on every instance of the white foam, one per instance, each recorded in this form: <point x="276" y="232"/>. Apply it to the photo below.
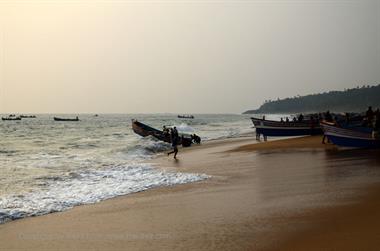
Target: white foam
<point x="89" y="187"/>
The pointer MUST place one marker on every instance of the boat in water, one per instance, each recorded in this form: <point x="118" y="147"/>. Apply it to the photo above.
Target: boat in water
<point x="145" y="131"/>
<point x="65" y="119"/>
<point x="286" y="128"/>
<point x="185" y="116"/>
<point x="28" y="116"/>
<point x="355" y="137"/>
<point x="11" y="118"/>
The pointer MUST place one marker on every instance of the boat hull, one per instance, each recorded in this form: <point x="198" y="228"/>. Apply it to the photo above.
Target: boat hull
<point x="282" y="129"/>
<point x="352" y="138"/>
<point x="62" y="119"/>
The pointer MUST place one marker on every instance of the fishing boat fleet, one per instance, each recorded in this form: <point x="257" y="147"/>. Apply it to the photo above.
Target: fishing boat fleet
<point x="13" y="117"/>
<point x="348" y="130"/>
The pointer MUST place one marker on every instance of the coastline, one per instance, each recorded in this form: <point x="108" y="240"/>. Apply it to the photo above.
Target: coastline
<point x="271" y="196"/>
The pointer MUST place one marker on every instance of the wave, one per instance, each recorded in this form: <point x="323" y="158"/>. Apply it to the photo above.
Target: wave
<point x="90" y="186"/>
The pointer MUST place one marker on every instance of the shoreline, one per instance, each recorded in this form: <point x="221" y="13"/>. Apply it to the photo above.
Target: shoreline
<point x="246" y="204"/>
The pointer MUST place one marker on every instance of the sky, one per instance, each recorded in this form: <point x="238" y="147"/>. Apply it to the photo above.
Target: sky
<point x="119" y="56"/>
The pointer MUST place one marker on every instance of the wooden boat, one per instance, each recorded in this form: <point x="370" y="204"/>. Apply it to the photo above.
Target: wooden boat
<point x="185" y="116"/>
<point x="28" y="116"/>
<point x="283" y="128"/>
<point x="65" y="119"/>
<point x="145" y="130"/>
<point x="12" y="118"/>
<point x="350" y="137"/>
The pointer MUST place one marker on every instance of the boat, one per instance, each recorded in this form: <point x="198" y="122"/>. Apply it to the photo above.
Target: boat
<point x="185" y="116"/>
<point x="12" y="118"/>
<point x="28" y="116"/>
<point x="65" y="119"/>
<point x="350" y="137"/>
<point x="284" y="128"/>
<point x="145" y="131"/>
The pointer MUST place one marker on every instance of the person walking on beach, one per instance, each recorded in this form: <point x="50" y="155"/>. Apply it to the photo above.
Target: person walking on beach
<point x="174" y="140"/>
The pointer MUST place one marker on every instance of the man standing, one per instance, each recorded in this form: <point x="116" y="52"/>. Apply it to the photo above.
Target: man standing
<point x="174" y="140"/>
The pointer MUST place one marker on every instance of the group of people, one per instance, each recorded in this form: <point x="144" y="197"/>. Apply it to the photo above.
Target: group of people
<point x="175" y="139"/>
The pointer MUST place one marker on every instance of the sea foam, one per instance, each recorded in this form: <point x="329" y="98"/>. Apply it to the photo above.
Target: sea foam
<point x="90" y="186"/>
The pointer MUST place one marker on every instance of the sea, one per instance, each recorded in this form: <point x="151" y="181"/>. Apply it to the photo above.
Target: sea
<point x="49" y="166"/>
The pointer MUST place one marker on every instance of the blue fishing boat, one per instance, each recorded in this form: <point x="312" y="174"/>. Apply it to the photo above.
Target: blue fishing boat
<point x="350" y="137"/>
<point x="286" y="128"/>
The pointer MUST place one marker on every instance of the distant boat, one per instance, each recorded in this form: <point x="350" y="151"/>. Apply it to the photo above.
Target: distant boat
<point x="185" y="116"/>
<point x="65" y="119"/>
<point x="145" y="130"/>
<point x="350" y="137"/>
<point x="28" y="116"/>
<point x="12" y="118"/>
<point x="283" y="128"/>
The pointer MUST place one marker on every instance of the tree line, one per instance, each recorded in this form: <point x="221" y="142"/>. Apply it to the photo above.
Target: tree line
<point x="350" y="100"/>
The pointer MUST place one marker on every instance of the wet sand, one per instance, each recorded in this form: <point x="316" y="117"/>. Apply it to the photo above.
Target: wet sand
<point x="283" y="195"/>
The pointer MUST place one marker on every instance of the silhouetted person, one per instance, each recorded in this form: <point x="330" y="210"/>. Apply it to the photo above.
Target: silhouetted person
<point x="282" y="120"/>
<point x="174" y="140"/>
<point x="347" y="118"/>
<point x="287" y="120"/>
<point x="165" y="130"/>
<point x="369" y="114"/>
<point x="329" y="119"/>
<point x="196" y="138"/>
<point x="300" y="118"/>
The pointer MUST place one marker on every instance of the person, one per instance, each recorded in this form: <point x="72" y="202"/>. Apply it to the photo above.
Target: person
<point x="174" y="140"/>
<point x="376" y="127"/>
<point x="282" y="120"/>
<point x="347" y="118"/>
<point x="294" y="119"/>
<point x="287" y="120"/>
<point x="369" y="115"/>
<point x="328" y="118"/>
<point x="196" y="138"/>
<point x="165" y="130"/>
<point x="300" y="118"/>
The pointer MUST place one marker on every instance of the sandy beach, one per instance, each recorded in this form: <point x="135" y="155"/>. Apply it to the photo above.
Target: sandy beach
<point x="293" y="194"/>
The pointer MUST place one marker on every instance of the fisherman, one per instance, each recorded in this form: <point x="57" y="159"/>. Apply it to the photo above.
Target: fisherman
<point x="165" y="130"/>
<point x="282" y="120"/>
<point x="328" y="118"/>
<point x="287" y="120"/>
<point x="369" y="114"/>
<point x="196" y="138"/>
<point x="376" y="127"/>
<point x="174" y="140"/>
<point x="347" y="118"/>
<point x="300" y="118"/>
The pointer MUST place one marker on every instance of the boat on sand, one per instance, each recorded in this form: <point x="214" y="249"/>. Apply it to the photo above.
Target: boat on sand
<point x="285" y="128"/>
<point x="350" y="137"/>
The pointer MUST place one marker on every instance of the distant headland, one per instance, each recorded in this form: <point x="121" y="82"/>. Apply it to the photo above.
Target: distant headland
<point x="350" y="100"/>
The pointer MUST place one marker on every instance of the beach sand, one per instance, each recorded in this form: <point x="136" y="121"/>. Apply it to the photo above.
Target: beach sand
<point x="293" y="194"/>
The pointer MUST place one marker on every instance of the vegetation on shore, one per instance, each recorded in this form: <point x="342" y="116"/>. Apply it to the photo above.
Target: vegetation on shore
<point x="350" y="100"/>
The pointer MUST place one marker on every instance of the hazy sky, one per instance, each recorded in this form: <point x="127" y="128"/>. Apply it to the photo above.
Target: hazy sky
<point x="66" y="56"/>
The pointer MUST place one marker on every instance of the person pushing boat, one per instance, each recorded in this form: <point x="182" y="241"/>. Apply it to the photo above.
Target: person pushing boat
<point x="174" y="140"/>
